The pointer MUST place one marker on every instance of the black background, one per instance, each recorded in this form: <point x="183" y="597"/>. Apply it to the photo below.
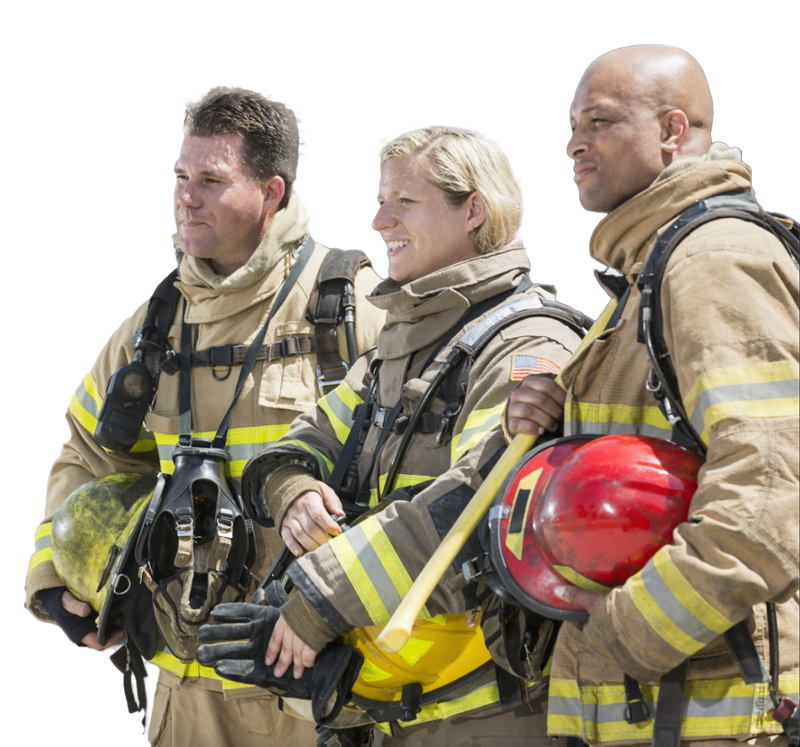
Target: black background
<point x="349" y="98"/>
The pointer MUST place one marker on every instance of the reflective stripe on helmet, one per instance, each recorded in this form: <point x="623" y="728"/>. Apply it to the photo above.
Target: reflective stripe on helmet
<point x="672" y="608"/>
<point x="766" y="390"/>
<point x="339" y="406"/>
<point x="716" y="708"/>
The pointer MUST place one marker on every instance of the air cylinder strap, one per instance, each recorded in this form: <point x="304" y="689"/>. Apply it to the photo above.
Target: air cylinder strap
<point x="669" y="707"/>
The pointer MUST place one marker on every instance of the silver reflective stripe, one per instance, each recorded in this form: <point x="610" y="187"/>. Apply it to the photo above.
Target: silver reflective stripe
<point x="86" y="401"/>
<point x="787" y="389"/>
<point x="371" y="563"/>
<point x="42" y="543"/>
<point x="523" y="304"/>
<point x="581" y="427"/>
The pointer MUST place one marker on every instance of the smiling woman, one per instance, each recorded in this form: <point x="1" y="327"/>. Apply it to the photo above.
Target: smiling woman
<point x="449" y="212"/>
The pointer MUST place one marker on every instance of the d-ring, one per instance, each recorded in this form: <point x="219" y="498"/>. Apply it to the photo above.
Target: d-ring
<point x="116" y="584"/>
<point x="221" y="378"/>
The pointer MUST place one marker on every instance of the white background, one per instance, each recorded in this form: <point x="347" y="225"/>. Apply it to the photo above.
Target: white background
<point x="93" y="97"/>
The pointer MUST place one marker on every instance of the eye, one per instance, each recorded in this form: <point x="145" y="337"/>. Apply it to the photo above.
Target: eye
<point x="405" y="201"/>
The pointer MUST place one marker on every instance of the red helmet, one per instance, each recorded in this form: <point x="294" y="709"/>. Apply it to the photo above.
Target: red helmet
<point x="587" y="511"/>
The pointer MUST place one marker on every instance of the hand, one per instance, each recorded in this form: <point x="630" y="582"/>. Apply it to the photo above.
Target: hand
<point x="288" y="649"/>
<point x="307" y="524"/>
<point x="75" y="606"/>
<point x="535" y="406"/>
<point x="580" y="598"/>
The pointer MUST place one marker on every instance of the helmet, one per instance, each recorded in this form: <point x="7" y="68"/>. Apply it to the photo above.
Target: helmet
<point x="441" y="650"/>
<point x="588" y="511"/>
<point x="93" y="536"/>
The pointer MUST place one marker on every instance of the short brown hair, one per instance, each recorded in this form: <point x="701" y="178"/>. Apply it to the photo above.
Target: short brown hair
<point x="269" y="132"/>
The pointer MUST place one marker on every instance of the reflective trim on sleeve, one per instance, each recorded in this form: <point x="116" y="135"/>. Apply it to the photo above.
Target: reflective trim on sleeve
<point x="673" y="608"/>
<point x="339" y="406"/>
<point x="712" y="708"/>
<point x="604" y="420"/>
<point x="401" y="481"/>
<point x="478" y="424"/>
<point x="241" y="445"/>
<point x="172" y="664"/>
<point x="767" y="390"/>
<point x="41" y="546"/>
<point x="372" y="566"/>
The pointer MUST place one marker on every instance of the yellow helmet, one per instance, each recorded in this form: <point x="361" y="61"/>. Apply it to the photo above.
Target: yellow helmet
<point x="440" y="651"/>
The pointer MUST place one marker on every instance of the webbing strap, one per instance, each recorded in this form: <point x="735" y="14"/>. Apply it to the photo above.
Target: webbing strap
<point x="184" y="390"/>
<point x="743" y="649"/>
<point x="669" y="707"/>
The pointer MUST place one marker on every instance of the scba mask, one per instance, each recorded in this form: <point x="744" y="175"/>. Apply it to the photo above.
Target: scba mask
<point x="196" y="546"/>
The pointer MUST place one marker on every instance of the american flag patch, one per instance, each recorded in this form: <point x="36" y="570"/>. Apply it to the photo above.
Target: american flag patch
<point x="525" y="365"/>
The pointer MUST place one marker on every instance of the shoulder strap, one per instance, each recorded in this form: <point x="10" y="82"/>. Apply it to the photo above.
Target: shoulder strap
<point x="664" y="381"/>
<point x="150" y="341"/>
<point x="333" y="301"/>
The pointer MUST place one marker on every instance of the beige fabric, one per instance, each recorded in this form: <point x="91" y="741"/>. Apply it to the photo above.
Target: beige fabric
<point x="729" y="296"/>
<point x="186" y="712"/>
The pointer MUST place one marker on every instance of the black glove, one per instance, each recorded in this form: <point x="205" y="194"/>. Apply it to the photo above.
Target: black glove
<point x="331" y="677"/>
<point x="75" y="627"/>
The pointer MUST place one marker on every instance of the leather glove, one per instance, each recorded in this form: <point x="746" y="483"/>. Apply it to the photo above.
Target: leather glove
<point x="327" y="684"/>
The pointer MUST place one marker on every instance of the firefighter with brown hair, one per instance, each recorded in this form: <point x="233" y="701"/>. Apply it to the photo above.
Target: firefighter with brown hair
<point x="246" y="262"/>
<point x="642" y="151"/>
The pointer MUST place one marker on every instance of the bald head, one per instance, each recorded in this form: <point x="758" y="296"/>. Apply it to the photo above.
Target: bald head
<point x="639" y="108"/>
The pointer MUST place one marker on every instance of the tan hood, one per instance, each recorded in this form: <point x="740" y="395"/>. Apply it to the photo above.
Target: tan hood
<point x="619" y="240"/>
<point x="211" y="296"/>
<point x="441" y="298"/>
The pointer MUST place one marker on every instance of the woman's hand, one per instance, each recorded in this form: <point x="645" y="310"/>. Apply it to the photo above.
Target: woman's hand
<point x="287" y="649"/>
<point x="307" y="524"/>
<point x="535" y="406"/>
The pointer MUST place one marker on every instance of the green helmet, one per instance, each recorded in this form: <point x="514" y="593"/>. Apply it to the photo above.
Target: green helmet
<point x="93" y="537"/>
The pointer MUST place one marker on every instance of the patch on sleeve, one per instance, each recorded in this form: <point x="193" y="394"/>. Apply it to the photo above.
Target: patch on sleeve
<point x="525" y="365"/>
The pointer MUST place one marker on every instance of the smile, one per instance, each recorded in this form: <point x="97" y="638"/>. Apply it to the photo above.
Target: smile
<point x="394" y="245"/>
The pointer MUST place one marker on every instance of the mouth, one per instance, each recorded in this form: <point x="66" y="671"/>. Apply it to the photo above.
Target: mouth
<point x="582" y="171"/>
<point x="396" y="246"/>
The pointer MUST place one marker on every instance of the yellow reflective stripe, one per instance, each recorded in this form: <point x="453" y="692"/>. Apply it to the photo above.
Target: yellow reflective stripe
<point x="593" y="417"/>
<point x="478" y="424"/>
<point x="401" y="481"/>
<point x="241" y="445"/>
<point x="373" y="568"/>
<point x="39" y="557"/>
<point x="359" y="578"/>
<point x="192" y="669"/>
<point x="766" y="390"/>
<point x="44" y="529"/>
<point x="339" y="406"/>
<point x="673" y="608"/>
<point x="719" y="708"/>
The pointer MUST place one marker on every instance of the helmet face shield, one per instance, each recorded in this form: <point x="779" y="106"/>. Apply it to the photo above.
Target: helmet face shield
<point x="587" y="511"/>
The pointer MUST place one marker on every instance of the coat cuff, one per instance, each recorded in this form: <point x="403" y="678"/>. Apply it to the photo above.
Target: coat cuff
<point x="306" y="623"/>
<point x="42" y="577"/>
<point x="284" y="486"/>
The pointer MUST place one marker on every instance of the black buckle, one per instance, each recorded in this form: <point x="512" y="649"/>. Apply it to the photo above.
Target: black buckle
<point x="290" y="347"/>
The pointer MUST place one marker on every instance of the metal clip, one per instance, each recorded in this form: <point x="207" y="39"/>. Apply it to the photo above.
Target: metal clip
<point x="476" y="567"/>
<point x="444" y="428"/>
<point x="321" y="383"/>
<point x="184" y="522"/>
<point x="225" y="523"/>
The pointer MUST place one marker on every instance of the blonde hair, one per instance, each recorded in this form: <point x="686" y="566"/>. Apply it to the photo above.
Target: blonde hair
<point x="460" y="162"/>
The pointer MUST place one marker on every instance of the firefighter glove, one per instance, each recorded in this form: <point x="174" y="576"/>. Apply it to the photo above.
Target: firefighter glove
<point x="237" y="645"/>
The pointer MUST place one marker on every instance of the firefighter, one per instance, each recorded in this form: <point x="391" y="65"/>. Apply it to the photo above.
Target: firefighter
<point x="405" y="434"/>
<point x="642" y="151"/>
<point x="241" y="230"/>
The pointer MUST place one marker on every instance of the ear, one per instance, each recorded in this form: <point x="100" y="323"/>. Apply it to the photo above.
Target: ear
<point x="674" y="130"/>
<point x="476" y="211"/>
<point x="273" y="190"/>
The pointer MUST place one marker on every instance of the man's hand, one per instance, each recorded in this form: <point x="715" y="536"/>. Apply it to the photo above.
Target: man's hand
<point x="535" y="406"/>
<point x="580" y="598"/>
<point x="287" y="648"/>
<point x="307" y="524"/>
<point x="75" y="606"/>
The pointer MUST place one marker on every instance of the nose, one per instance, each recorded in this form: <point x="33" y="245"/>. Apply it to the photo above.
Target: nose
<point x="383" y="218"/>
<point x="577" y="145"/>
<point x="185" y="194"/>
